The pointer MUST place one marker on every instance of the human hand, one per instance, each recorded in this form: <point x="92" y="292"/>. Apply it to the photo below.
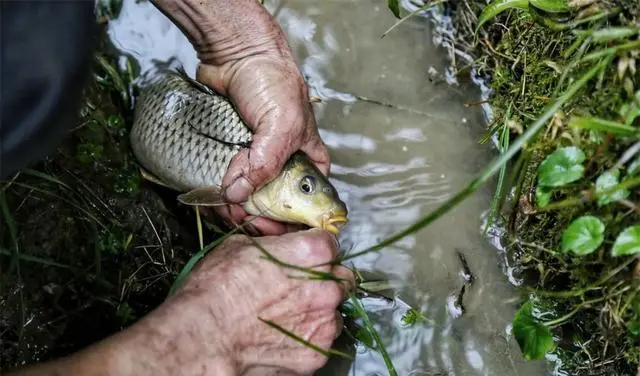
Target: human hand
<point x="226" y="294"/>
<point x="245" y="56"/>
<point x="211" y="325"/>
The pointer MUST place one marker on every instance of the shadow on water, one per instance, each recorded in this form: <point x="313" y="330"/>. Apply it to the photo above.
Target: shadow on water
<point x="391" y="164"/>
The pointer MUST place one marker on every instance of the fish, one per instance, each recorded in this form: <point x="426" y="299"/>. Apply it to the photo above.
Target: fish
<point x="184" y="135"/>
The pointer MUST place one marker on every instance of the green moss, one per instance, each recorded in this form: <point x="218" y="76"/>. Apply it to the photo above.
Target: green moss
<point x="527" y="65"/>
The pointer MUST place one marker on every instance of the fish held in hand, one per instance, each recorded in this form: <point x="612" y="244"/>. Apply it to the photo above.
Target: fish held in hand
<point x="184" y="135"/>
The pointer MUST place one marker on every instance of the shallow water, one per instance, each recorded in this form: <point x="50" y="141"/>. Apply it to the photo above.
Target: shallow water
<point x="391" y="164"/>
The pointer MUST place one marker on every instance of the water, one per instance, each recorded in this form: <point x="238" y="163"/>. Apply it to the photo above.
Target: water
<point x="391" y="165"/>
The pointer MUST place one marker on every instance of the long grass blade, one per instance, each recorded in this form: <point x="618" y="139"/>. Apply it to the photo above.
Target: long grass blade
<point x="504" y="145"/>
<point x="310" y="345"/>
<point x="362" y="313"/>
<point x="490" y="170"/>
<point x="188" y="267"/>
<point x="315" y="274"/>
<point x="597" y="124"/>
<point x="34" y="259"/>
<point x="415" y="12"/>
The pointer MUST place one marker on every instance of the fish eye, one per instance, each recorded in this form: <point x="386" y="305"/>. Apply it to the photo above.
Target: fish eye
<point x="308" y="184"/>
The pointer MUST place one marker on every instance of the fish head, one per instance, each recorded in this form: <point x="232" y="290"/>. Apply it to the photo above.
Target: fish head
<point x="301" y="193"/>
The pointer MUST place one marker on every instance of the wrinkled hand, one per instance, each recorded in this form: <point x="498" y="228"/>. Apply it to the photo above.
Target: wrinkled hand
<point x="255" y="68"/>
<point x="217" y="309"/>
<point x="211" y="325"/>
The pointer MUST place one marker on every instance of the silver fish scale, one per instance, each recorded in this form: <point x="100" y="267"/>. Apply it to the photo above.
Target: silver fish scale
<point x="184" y="136"/>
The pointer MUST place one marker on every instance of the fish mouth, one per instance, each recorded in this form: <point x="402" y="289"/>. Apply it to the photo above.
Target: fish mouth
<point x="335" y="222"/>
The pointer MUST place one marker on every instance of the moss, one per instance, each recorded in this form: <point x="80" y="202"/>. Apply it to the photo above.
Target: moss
<point x="527" y="65"/>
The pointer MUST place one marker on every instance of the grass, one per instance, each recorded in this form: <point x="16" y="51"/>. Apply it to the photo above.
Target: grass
<point x="533" y="62"/>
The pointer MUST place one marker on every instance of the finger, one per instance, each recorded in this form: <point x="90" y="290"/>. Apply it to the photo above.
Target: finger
<point x="317" y="151"/>
<point x="212" y="77"/>
<point x="347" y="281"/>
<point x="266" y="226"/>
<point x="314" y="248"/>
<point x="251" y="168"/>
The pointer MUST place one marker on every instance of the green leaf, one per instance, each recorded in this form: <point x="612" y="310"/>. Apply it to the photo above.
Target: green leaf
<point x="534" y="339"/>
<point x="628" y="242"/>
<point x="498" y="6"/>
<point x="608" y="180"/>
<point x="364" y="336"/>
<point x="583" y="236"/>
<point x="634" y="328"/>
<point x="634" y="167"/>
<point x="543" y="196"/>
<point x="561" y="167"/>
<point x="394" y="6"/>
<point x="603" y="125"/>
<point x="411" y="317"/>
<point x="551" y="6"/>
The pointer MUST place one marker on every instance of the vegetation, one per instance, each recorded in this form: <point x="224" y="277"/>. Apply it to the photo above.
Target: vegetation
<point x="565" y="89"/>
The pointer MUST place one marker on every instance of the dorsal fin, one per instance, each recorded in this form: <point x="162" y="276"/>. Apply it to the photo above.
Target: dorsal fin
<point x="196" y="84"/>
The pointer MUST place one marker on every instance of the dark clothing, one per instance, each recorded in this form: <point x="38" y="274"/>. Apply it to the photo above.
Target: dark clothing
<point x="46" y="50"/>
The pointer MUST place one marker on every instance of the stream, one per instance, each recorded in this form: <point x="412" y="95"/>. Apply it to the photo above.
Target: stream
<point x="402" y="141"/>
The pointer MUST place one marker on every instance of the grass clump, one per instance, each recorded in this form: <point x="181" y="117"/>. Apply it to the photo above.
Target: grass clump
<point x="569" y="199"/>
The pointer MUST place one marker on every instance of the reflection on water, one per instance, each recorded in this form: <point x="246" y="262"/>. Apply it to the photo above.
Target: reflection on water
<point x="391" y="164"/>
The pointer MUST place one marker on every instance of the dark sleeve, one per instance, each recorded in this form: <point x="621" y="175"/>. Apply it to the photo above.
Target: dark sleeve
<point x="46" y="51"/>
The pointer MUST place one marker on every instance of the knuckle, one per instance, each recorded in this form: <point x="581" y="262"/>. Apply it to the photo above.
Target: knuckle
<point x="237" y="239"/>
<point x="319" y="247"/>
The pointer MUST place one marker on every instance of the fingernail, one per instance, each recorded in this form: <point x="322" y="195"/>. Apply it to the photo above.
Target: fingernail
<point x="239" y="190"/>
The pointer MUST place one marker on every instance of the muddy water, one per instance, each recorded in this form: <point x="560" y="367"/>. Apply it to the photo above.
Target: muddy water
<point x="391" y="164"/>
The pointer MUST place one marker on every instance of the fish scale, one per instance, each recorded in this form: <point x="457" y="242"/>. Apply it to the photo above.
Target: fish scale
<point x="184" y="133"/>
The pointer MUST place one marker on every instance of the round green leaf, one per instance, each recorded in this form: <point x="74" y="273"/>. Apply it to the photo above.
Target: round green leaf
<point x="534" y="339"/>
<point x="543" y="196"/>
<point x="583" y="236"/>
<point x="561" y="167"/>
<point x="608" y="180"/>
<point x="627" y="242"/>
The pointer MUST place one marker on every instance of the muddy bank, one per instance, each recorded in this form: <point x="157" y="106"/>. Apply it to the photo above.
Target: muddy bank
<point x="569" y="198"/>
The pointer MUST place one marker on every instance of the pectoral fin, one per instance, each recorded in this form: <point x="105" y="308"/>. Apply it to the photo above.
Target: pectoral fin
<point x="203" y="196"/>
<point x="152" y="178"/>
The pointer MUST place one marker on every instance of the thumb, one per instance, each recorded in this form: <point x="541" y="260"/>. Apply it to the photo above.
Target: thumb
<point x="252" y="168"/>
<point x="211" y="76"/>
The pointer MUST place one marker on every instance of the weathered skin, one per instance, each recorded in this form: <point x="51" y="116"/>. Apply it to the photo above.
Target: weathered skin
<point x="185" y="135"/>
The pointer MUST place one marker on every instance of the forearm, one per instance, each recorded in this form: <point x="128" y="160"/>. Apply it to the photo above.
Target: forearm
<point x="222" y="31"/>
<point x="151" y="347"/>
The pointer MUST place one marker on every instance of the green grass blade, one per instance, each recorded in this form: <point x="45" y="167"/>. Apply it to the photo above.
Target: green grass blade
<point x="315" y="274"/>
<point x="421" y="9"/>
<point x="550" y="6"/>
<point x="34" y="259"/>
<point x="490" y="170"/>
<point x="310" y="345"/>
<point x="498" y="6"/>
<point x="597" y="124"/>
<point x="188" y="267"/>
<point x="614" y="33"/>
<point x="46" y="177"/>
<point x="362" y="313"/>
<point x="394" y="6"/>
<point x="499" y="188"/>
